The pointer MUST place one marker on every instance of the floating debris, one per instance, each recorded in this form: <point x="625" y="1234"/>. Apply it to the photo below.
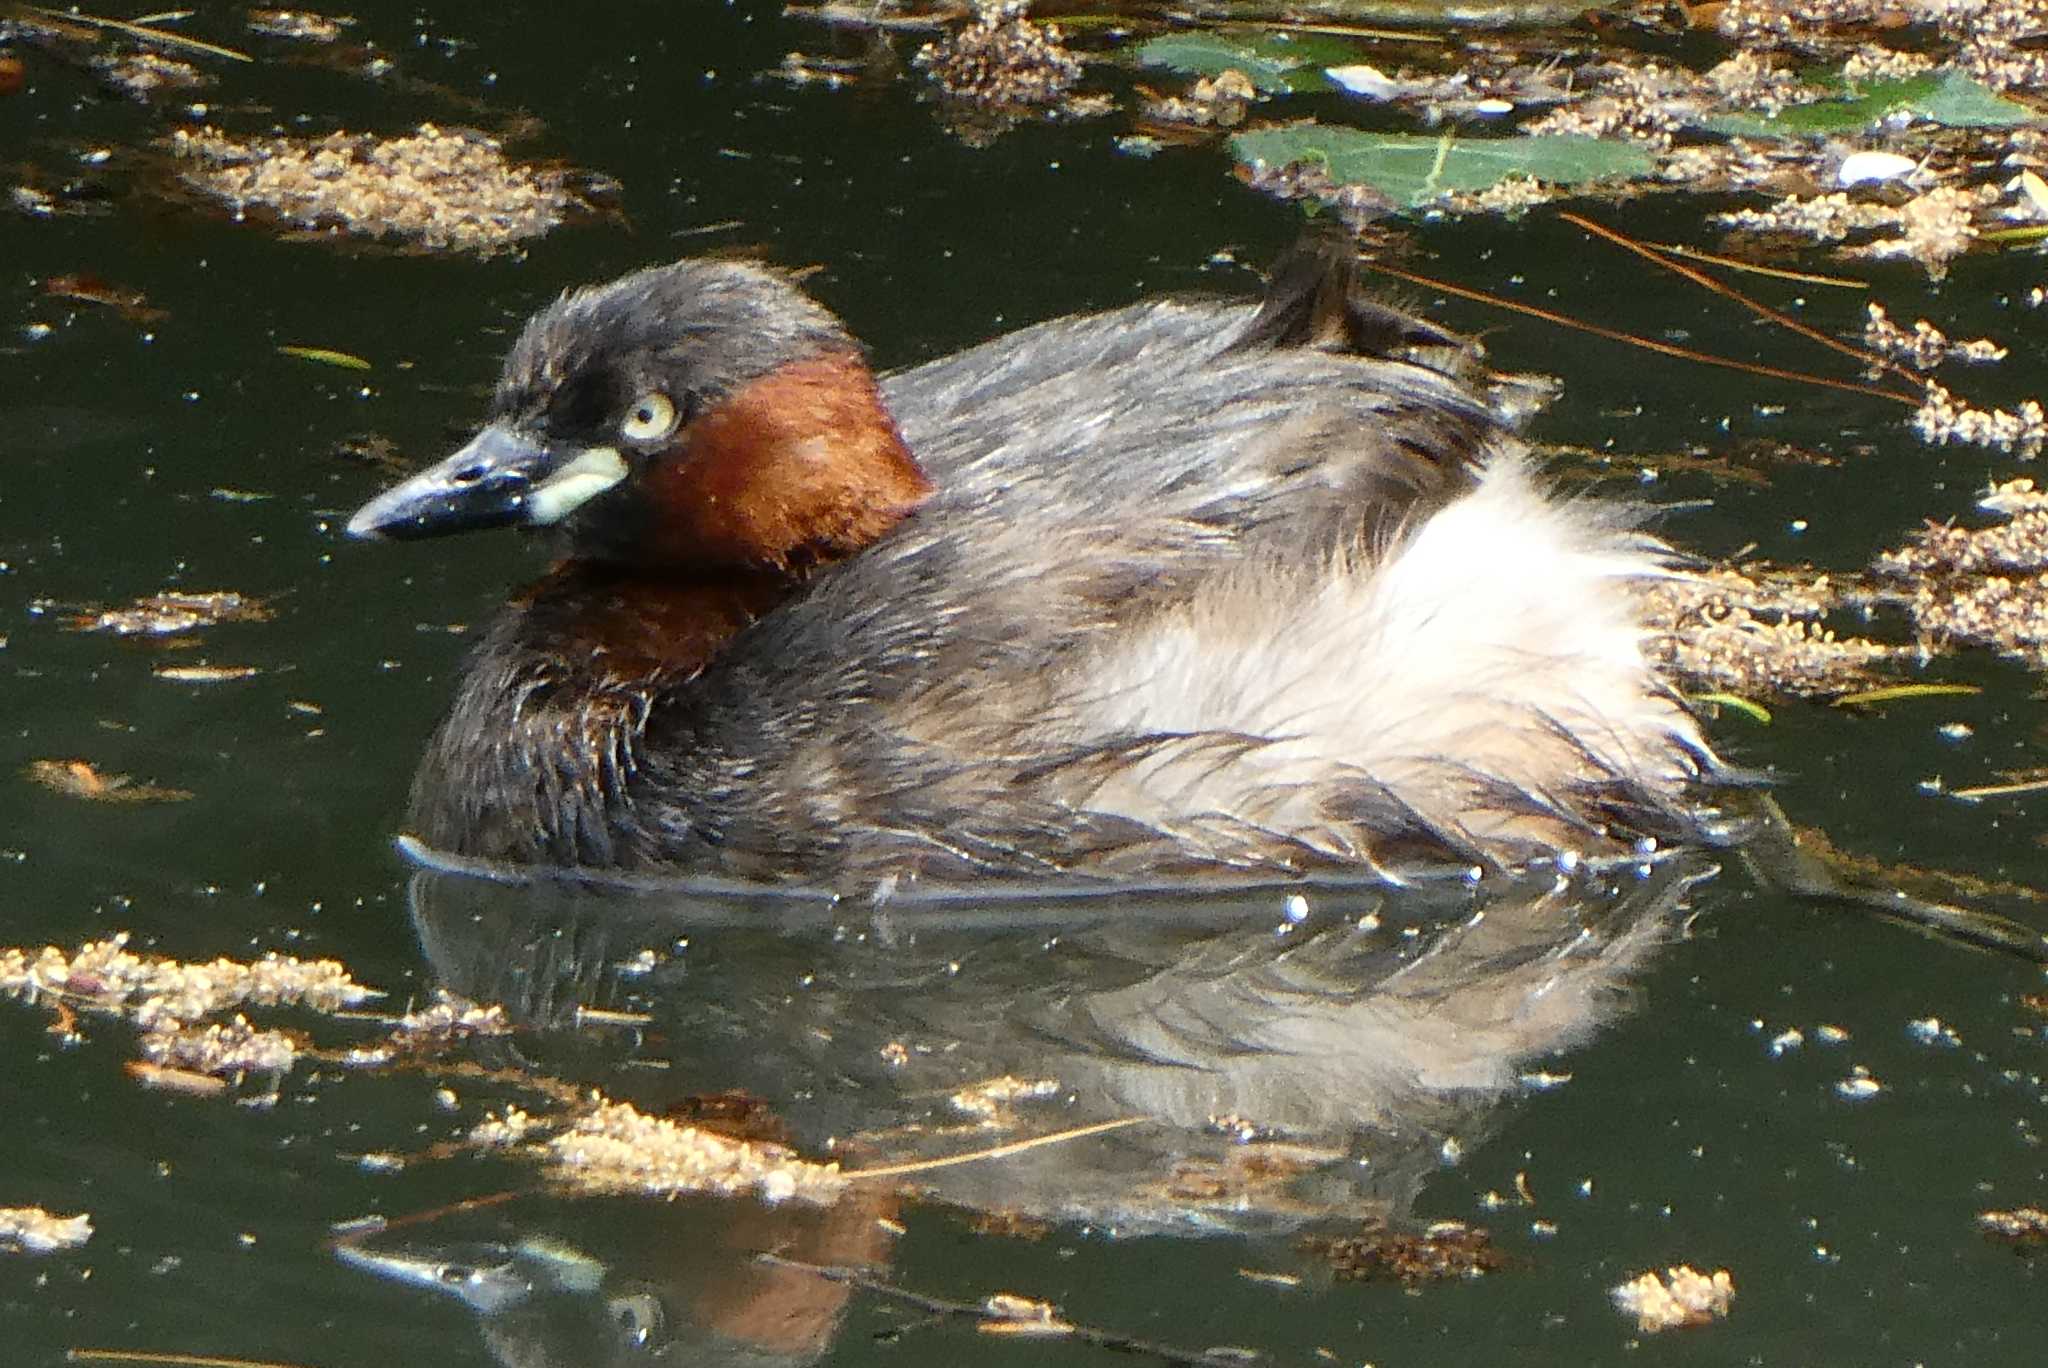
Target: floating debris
<point x="1001" y="58"/>
<point x="735" y="1114"/>
<point x="1009" y="1314"/>
<point x="171" y="613"/>
<point x="132" y="305"/>
<point x="31" y="1230"/>
<point x="205" y="674"/>
<point x="1934" y="228"/>
<point x="301" y="25"/>
<point x="501" y="1130"/>
<point x="377" y="452"/>
<point x="1756" y="632"/>
<point x="2018" y="545"/>
<point x="80" y="779"/>
<point x="995" y="1099"/>
<point x="1001" y="69"/>
<point x="1448" y="1249"/>
<point x="1942" y="419"/>
<point x="326" y="356"/>
<point x="616" y="1149"/>
<point x="1937" y="227"/>
<point x="145" y="75"/>
<point x="1860" y="1086"/>
<point x="833" y="73"/>
<point x="1984" y="586"/>
<point x="1926" y="346"/>
<point x="1219" y="101"/>
<point x="1648" y="103"/>
<point x="160" y="1079"/>
<point x="223" y="1049"/>
<point x="1933" y="1031"/>
<point x="1250" y="1172"/>
<point x="155" y="991"/>
<point x="1682" y="1297"/>
<point x="2025" y="1227"/>
<point x="1823" y="218"/>
<point x="450" y="1020"/>
<point x="439" y="189"/>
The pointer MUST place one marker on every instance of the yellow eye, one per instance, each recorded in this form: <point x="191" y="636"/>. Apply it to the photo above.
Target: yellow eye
<point x="652" y="417"/>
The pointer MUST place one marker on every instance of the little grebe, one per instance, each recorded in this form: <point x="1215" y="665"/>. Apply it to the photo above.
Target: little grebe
<point x="1183" y="587"/>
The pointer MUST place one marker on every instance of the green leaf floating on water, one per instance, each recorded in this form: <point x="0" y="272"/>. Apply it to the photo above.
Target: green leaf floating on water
<point x="1950" y="99"/>
<point x="1275" y="63"/>
<point x="1413" y="169"/>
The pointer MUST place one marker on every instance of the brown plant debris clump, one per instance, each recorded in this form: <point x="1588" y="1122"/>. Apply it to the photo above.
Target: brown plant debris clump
<point x="440" y="189"/>
<point x="31" y="1230"/>
<point x="1219" y="101"/>
<point x="502" y="1130"/>
<point x="171" y="613"/>
<point x="1993" y="40"/>
<point x="995" y="1100"/>
<point x="1998" y="40"/>
<point x="1448" y="1249"/>
<point x="226" y="1049"/>
<point x="82" y="779"/>
<point x="452" y="1018"/>
<point x="301" y="25"/>
<point x="1006" y="1313"/>
<point x="1756" y="632"/>
<point x="615" y="1149"/>
<point x="143" y="75"/>
<point x="1682" y="1297"/>
<point x="447" y="1022"/>
<point x="2017" y="545"/>
<point x="1926" y="346"/>
<point x="1259" y="1173"/>
<point x="2025" y="1227"/>
<point x="1824" y="218"/>
<point x="1355" y="203"/>
<point x="1653" y="103"/>
<point x="1649" y="103"/>
<point x="1001" y="58"/>
<point x="1942" y="419"/>
<point x="1988" y="585"/>
<point x="1933" y="229"/>
<point x="156" y="992"/>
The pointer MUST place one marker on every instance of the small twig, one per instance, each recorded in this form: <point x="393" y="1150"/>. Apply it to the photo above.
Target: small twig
<point x="356" y="1236"/>
<point x="141" y="33"/>
<point x="1895" y="693"/>
<point x="604" y="1016"/>
<point x="1753" y="268"/>
<point x="1705" y="281"/>
<point x="998" y="1152"/>
<point x="1649" y="344"/>
<point x="1982" y="791"/>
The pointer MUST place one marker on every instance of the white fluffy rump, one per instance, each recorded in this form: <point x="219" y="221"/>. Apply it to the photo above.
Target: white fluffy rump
<point x="1483" y="672"/>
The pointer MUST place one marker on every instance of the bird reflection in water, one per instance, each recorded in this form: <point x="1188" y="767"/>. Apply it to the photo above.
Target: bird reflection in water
<point x="1290" y="1061"/>
<point x="596" y="1283"/>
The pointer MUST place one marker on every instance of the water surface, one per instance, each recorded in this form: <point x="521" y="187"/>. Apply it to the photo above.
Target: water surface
<point x="188" y="453"/>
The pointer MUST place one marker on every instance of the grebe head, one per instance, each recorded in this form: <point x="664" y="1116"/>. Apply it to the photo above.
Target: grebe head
<point x="695" y="416"/>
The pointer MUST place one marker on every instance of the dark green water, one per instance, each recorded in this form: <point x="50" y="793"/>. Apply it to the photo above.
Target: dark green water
<point x="1681" y="1137"/>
